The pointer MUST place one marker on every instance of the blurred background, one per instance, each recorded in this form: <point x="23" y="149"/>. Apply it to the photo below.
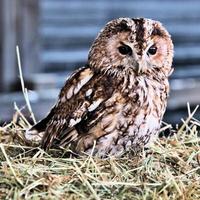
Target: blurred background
<point x="54" y="37"/>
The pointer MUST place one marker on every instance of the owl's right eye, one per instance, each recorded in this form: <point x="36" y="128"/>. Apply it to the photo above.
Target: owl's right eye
<point x="125" y="50"/>
<point x="152" y="50"/>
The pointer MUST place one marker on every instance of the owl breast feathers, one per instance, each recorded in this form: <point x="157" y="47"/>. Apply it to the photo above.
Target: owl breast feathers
<point x="118" y="99"/>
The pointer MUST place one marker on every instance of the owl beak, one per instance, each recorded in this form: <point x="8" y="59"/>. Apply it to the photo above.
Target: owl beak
<point x="139" y="67"/>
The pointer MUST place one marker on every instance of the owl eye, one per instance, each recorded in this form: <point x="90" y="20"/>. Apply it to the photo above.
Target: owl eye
<point x="125" y="50"/>
<point x="152" y="50"/>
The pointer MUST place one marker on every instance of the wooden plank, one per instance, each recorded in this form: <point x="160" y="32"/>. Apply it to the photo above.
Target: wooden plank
<point x="65" y="18"/>
<point x="19" y="28"/>
<point x="186" y="71"/>
<point x="1" y="47"/>
<point x="183" y="91"/>
<point x="30" y="40"/>
<point x="64" y="56"/>
<point x="166" y="8"/>
<point x="9" y="42"/>
<point x="65" y="32"/>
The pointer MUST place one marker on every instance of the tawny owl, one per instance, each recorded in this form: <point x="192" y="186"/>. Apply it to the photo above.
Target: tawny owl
<point x="118" y="99"/>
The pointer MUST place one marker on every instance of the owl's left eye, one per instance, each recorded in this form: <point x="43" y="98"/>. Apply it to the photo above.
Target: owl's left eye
<point x="125" y="50"/>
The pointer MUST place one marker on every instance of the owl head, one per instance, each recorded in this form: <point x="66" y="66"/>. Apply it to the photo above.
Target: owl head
<point x="139" y="46"/>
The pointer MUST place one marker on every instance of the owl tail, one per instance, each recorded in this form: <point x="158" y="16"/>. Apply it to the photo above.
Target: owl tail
<point x="36" y="132"/>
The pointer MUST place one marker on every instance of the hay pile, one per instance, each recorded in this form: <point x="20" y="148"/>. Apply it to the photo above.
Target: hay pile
<point x="170" y="169"/>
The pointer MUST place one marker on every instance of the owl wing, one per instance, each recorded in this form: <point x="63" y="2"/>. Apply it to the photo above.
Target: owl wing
<point x="79" y="107"/>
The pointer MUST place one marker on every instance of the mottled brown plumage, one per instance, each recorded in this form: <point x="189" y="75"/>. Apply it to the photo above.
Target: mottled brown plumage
<point x="118" y="99"/>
